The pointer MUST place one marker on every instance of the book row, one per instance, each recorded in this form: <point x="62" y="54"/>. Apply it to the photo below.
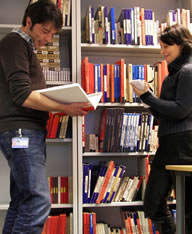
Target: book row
<point x="90" y="226"/>
<point x="113" y="80"/>
<point x="133" y="222"/>
<point x="61" y="189"/>
<point x="61" y="74"/>
<point x="59" y="125"/>
<point x="136" y="222"/>
<point x="58" y="224"/>
<point x="65" y="8"/>
<point x="127" y="132"/>
<point x="135" y="26"/>
<point x="106" y="183"/>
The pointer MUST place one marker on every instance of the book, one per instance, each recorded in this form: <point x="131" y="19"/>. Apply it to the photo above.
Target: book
<point x="63" y="94"/>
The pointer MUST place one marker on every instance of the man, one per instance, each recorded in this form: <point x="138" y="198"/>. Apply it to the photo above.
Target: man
<point x="23" y="117"/>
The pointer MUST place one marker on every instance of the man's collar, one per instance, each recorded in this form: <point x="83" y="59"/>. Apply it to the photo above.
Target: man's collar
<point x="25" y="36"/>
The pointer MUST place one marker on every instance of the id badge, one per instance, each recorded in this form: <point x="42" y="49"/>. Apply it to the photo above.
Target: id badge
<point x="20" y="142"/>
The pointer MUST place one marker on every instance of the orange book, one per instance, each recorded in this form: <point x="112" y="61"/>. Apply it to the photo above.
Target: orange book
<point x="164" y="70"/>
<point x="150" y="226"/>
<point x="108" y="174"/>
<point x="94" y="222"/>
<point x="121" y="63"/>
<point x="142" y="16"/>
<point x="112" y="93"/>
<point x="108" y="83"/>
<point x="62" y="224"/>
<point x="129" y="223"/>
<point x="102" y="83"/>
<point x="91" y="78"/>
<point x="159" y="78"/>
<point x="44" y="228"/>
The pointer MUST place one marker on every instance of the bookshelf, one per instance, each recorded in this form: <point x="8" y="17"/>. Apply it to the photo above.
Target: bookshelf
<point x="108" y="53"/>
<point x="61" y="153"/>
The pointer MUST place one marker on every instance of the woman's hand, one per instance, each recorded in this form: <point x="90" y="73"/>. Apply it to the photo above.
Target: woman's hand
<point x="139" y="92"/>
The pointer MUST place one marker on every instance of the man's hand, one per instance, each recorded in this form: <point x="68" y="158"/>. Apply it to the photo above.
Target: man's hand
<point x="76" y="109"/>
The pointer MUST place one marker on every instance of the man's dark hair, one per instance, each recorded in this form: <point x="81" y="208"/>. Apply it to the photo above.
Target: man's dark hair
<point x="179" y="35"/>
<point x="43" y="11"/>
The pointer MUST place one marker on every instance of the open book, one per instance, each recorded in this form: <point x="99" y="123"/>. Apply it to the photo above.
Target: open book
<point x="72" y="93"/>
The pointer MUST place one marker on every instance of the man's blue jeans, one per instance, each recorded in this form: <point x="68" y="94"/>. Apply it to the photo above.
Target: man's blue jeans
<point x="30" y="197"/>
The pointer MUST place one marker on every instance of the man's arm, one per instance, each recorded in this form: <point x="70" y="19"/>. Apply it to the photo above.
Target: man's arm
<point x="40" y="102"/>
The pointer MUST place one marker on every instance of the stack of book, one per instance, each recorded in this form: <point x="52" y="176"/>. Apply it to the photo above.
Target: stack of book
<point x="106" y="183"/>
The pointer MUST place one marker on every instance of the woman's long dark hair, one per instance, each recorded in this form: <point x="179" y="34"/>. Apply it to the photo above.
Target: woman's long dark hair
<point x="177" y="34"/>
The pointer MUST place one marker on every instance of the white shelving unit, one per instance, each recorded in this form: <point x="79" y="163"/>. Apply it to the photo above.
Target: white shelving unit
<point x="110" y="54"/>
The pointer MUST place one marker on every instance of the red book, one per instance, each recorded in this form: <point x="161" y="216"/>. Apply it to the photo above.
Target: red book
<point x="62" y="189"/>
<point x="52" y="224"/>
<point x="121" y="63"/>
<point x="111" y="165"/>
<point x="65" y="190"/>
<point x="51" y="188"/>
<point x="86" y="223"/>
<point x="102" y="129"/>
<point x="49" y="124"/>
<point x="54" y="125"/>
<point x="85" y="74"/>
<point x="62" y="224"/>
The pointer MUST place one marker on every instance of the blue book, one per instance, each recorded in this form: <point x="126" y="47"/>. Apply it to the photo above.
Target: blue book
<point x="85" y="181"/>
<point x="89" y="182"/>
<point x="92" y="25"/>
<point x="111" y="18"/>
<point x="91" y="223"/>
<point x="96" y="185"/>
<point x="99" y="77"/>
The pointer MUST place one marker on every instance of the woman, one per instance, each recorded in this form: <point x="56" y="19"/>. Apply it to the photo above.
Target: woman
<point x="174" y="111"/>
